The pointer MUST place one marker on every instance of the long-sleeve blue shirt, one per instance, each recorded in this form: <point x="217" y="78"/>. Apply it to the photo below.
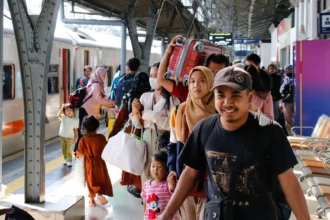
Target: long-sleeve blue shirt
<point x="114" y="83"/>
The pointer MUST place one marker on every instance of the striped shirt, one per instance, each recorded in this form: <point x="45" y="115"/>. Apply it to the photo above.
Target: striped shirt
<point x="156" y="197"/>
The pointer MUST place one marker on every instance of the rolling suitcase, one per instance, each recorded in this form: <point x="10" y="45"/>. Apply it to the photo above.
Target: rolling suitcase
<point x="187" y="54"/>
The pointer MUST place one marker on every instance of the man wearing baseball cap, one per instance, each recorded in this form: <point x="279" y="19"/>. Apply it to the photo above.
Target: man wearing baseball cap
<point x="241" y="152"/>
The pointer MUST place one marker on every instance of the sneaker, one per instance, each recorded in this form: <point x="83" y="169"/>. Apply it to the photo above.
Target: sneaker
<point x="65" y="163"/>
<point x="69" y="164"/>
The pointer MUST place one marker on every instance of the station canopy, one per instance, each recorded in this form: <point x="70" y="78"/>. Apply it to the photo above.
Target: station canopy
<point x="242" y="18"/>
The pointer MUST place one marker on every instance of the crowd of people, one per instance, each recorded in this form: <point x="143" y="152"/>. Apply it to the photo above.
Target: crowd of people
<point x="225" y="154"/>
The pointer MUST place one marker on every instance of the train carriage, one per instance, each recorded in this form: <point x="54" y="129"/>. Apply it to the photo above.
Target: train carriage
<point x="71" y="51"/>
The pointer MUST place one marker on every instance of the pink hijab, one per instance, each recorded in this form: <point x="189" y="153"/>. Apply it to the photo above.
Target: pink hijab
<point x="98" y="77"/>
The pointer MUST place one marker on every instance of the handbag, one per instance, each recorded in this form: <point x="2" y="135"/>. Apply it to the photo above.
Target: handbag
<point x="163" y="140"/>
<point x="126" y="151"/>
<point x="80" y="171"/>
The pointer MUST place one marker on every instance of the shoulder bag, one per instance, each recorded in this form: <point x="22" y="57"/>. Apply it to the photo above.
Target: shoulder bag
<point x="221" y="206"/>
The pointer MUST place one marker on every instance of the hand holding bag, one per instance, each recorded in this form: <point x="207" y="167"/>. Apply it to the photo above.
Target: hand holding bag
<point x="164" y="139"/>
<point x="126" y="151"/>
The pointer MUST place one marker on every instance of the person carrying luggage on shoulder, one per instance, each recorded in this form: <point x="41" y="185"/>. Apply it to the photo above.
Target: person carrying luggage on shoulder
<point x="125" y="81"/>
<point x="97" y="176"/>
<point x="94" y="99"/>
<point x="155" y="118"/>
<point x="199" y="105"/>
<point x="157" y="191"/>
<point x="83" y="80"/>
<point x="242" y="152"/>
<point x="215" y="62"/>
<point x="68" y="131"/>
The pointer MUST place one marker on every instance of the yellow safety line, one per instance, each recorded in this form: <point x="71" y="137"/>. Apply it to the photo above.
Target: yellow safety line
<point x="18" y="183"/>
<point x="301" y="84"/>
<point x="20" y="153"/>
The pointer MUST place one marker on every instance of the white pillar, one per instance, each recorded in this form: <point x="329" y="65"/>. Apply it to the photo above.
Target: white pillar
<point x="296" y="20"/>
<point x="302" y="30"/>
<point x="306" y="14"/>
<point x="313" y="20"/>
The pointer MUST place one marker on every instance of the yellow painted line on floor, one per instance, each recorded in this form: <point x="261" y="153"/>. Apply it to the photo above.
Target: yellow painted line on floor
<point x="18" y="183"/>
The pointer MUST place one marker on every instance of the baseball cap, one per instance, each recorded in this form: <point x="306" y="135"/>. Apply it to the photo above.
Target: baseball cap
<point x="234" y="77"/>
<point x="289" y="67"/>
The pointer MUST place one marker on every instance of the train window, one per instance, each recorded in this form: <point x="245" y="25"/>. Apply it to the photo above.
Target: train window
<point x="86" y="57"/>
<point x="53" y="68"/>
<point x="53" y="81"/>
<point x="8" y="81"/>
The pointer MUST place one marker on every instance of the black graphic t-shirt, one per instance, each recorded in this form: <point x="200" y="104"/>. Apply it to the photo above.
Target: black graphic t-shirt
<point x="250" y="195"/>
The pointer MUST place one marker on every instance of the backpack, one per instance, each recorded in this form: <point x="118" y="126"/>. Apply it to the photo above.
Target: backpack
<point x="77" y="97"/>
<point x="123" y="87"/>
<point x="273" y="185"/>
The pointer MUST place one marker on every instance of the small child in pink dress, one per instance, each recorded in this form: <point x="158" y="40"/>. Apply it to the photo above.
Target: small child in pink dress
<point x="157" y="192"/>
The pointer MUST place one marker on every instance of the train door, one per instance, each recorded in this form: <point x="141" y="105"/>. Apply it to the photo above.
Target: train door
<point x="66" y="74"/>
<point x="86" y="58"/>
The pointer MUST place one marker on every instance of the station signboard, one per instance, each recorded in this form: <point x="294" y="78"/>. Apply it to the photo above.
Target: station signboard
<point x="246" y="41"/>
<point x="324" y="23"/>
<point x="222" y="39"/>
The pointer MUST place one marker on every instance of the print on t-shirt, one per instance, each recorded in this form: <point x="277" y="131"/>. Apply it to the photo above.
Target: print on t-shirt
<point x="223" y="164"/>
<point x="153" y="205"/>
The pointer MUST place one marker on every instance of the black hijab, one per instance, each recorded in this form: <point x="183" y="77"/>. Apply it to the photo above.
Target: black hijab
<point x="261" y="80"/>
<point x="140" y="85"/>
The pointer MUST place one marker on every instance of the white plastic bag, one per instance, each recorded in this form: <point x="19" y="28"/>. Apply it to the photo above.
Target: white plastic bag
<point x="127" y="152"/>
<point x="80" y="172"/>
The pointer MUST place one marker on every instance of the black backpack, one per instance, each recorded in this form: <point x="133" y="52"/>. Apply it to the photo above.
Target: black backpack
<point x="77" y="97"/>
<point x="124" y="86"/>
<point x="273" y="185"/>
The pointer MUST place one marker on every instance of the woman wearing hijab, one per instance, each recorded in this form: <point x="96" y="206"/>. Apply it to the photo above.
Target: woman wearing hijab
<point x="157" y="106"/>
<point x="199" y="105"/>
<point x="140" y="85"/>
<point x="262" y="99"/>
<point x="94" y="99"/>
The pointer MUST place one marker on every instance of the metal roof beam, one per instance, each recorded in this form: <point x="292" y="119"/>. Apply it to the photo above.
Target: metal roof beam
<point x="250" y="15"/>
<point x="112" y="13"/>
<point x="181" y="17"/>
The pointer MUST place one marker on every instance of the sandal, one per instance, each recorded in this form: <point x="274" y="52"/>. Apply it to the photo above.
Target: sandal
<point x="102" y="200"/>
<point x="92" y="203"/>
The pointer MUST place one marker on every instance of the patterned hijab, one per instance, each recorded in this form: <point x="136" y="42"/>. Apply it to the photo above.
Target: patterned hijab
<point x="98" y="77"/>
<point x="194" y="110"/>
<point x="140" y="85"/>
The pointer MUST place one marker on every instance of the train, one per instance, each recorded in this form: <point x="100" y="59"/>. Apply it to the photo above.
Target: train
<point x="73" y="48"/>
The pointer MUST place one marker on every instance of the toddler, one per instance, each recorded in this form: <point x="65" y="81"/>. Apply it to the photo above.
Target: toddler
<point x="156" y="193"/>
<point x="68" y="131"/>
<point x="91" y="146"/>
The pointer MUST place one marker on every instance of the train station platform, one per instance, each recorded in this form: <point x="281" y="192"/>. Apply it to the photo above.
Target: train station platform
<point x="60" y="181"/>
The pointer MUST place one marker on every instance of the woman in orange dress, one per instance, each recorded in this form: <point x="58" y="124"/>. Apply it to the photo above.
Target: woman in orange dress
<point x="96" y="172"/>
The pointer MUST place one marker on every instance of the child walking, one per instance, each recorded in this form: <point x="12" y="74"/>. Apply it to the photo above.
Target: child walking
<point x="157" y="192"/>
<point x="68" y="131"/>
<point x="91" y="146"/>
